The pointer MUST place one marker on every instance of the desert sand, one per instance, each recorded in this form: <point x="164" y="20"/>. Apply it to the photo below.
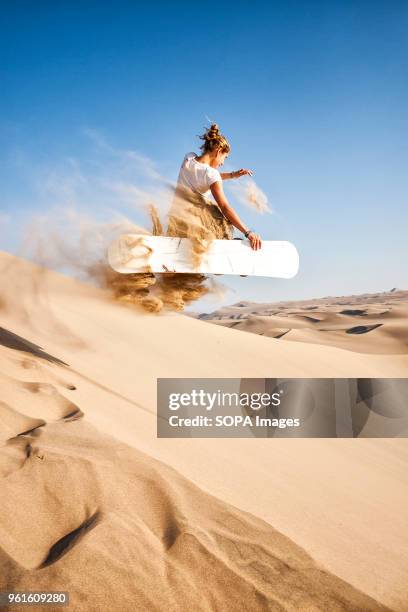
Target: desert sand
<point x="94" y="504"/>
<point x="369" y="323"/>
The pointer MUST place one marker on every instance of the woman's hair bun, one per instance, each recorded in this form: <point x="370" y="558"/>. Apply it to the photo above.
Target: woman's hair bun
<point x="213" y="131"/>
<point x="214" y="139"/>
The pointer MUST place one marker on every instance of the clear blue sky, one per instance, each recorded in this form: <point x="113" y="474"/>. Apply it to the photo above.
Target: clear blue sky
<point x="313" y="96"/>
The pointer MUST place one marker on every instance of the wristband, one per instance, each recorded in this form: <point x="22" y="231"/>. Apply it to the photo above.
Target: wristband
<point x="247" y="233"/>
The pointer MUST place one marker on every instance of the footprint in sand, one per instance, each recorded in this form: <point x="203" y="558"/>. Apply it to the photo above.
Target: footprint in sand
<point x="17" y="433"/>
<point x="35" y="404"/>
<point x="20" y="367"/>
<point x="38" y="399"/>
<point x="25" y="409"/>
<point x="14" y="423"/>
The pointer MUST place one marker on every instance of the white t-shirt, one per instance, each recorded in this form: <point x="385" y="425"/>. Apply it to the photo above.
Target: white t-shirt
<point x="197" y="176"/>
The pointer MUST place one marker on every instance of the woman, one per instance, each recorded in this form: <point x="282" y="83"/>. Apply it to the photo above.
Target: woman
<point x="199" y="175"/>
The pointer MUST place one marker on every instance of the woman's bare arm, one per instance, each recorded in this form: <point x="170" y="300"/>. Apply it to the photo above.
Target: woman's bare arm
<point x="236" y="174"/>
<point x="226" y="209"/>
<point x="219" y="196"/>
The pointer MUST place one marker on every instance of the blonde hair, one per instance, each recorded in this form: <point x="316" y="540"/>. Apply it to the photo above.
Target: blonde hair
<point x="213" y="139"/>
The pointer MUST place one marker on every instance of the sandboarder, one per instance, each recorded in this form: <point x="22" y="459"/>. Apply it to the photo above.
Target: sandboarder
<point x="198" y="175"/>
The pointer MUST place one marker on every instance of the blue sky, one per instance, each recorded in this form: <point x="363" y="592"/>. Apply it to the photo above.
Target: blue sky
<point x="313" y="96"/>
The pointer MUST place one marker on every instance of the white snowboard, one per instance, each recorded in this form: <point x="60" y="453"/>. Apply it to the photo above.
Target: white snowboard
<point x="144" y="253"/>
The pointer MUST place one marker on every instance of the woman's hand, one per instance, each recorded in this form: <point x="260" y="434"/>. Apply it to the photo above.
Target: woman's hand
<point x="242" y="172"/>
<point x="255" y="240"/>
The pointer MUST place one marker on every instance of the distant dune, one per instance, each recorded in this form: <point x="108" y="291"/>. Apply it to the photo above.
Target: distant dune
<point x="369" y="323"/>
<point x="94" y="504"/>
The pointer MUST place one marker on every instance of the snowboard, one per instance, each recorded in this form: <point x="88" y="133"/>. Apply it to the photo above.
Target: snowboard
<point x="132" y="253"/>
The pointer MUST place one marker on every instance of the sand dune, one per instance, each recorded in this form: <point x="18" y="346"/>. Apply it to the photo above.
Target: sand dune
<point x="95" y="504"/>
<point x="122" y="531"/>
<point x="369" y="323"/>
